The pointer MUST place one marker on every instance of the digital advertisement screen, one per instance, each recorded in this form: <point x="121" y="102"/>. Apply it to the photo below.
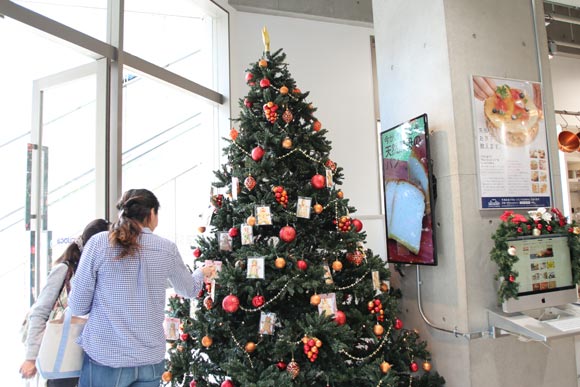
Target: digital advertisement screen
<point x="408" y="187"/>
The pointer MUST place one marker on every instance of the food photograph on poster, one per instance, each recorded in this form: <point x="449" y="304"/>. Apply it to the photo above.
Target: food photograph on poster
<point x="511" y="144"/>
<point x="409" y="192"/>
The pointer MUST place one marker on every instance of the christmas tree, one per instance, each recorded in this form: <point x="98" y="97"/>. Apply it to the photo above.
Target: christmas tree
<point x="298" y="299"/>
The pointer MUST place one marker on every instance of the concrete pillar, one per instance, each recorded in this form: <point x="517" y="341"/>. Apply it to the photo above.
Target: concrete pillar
<point x="427" y="51"/>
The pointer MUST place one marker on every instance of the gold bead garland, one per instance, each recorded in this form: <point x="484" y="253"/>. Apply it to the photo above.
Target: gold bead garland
<point x="259" y="308"/>
<point x="372" y="354"/>
<point x="354" y="283"/>
<point x="242" y="348"/>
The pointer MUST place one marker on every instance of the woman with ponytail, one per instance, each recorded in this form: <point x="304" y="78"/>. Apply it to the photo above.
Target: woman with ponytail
<point x="121" y="281"/>
<point x="58" y="286"/>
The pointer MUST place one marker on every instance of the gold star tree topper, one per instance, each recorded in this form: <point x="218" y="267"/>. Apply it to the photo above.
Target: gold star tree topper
<point x="266" y="39"/>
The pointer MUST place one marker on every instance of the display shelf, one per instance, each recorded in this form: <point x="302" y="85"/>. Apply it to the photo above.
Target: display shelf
<point x="533" y="324"/>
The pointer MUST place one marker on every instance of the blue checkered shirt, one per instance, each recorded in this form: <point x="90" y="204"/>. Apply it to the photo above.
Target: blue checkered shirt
<point x="126" y="298"/>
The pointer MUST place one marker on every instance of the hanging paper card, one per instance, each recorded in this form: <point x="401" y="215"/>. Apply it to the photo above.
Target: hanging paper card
<point x="170" y="327"/>
<point x="255" y="268"/>
<point x="327" y="304"/>
<point x="225" y="241"/>
<point x="235" y="188"/>
<point x="264" y="215"/>
<point x="376" y="280"/>
<point x="328" y="178"/>
<point x="327" y="274"/>
<point x="267" y="322"/>
<point x="303" y="207"/>
<point x="247" y="234"/>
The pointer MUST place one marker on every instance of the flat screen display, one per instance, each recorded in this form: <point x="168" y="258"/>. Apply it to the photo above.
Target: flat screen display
<point x="544" y="264"/>
<point x="544" y="270"/>
<point x="408" y="187"/>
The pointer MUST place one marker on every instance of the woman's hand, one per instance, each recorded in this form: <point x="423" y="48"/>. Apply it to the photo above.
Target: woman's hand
<point x="28" y="369"/>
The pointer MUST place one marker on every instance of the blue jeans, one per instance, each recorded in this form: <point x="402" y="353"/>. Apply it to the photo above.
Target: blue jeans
<point x="94" y="374"/>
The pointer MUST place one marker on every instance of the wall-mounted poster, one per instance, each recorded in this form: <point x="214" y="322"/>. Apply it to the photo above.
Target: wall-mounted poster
<point x="409" y="192"/>
<point x="512" y="150"/>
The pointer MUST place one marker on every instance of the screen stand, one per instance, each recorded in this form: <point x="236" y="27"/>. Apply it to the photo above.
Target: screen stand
<point x="546" y="314"/>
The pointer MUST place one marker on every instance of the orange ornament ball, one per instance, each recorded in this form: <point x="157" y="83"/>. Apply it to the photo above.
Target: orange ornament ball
<point x="283" y="90"/>
<point x="385" y="367"/>
<point x="318" y="208"/>
<point x="337" y="265"/>
<point x="166" y="376"/>
<point x="280" y="263"/>
<point x="263" y="63"/>
<point x="201" y="229"/>
<point x="427" y="366"/>
<point x="251" y="220"/>
<point x="250" y="346"/>
<point x="315" y="299"/>
<point x="316" y="126"/>
<point x="378" y="330"/>
<point x="287" y="143"/>
<point x="206" y="341"/>
<point x="340" y="194"/>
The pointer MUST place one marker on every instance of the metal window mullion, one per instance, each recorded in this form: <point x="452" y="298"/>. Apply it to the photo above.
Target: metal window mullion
<point x="95" y="48"/>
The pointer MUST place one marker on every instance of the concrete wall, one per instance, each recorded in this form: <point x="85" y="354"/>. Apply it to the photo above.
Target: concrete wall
<point x="427" y="52"/>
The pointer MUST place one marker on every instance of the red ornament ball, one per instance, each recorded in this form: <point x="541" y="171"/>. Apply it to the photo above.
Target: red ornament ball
<point x="318" y="181"/>
<point x="184" y="337"/>
<point x="193" y="383"/>
<point x="512" y="278"/>
<point x="302" y="265"/>
<point x="227" y="383"/>
<point x="197" y="252"/>
<point x="281" y="365"/>
<point x="249" y="77"/>
<point x="398" y="324"/>
<point x="358" y="226"/>
<point x="414" y="367"/>
<point x="258" y="301"/>
<point x="264" y="83"/>
<point x="340" y="317"/>
<point x="231" y="303"/>
<point x="287" y="234"/>
<point x="257" y="153"/>
<point x="233" y="232"/>
<point x="248" y="103"/>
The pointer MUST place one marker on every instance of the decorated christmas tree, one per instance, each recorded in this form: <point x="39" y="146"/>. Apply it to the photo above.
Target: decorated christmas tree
<point x="298" y="300"/>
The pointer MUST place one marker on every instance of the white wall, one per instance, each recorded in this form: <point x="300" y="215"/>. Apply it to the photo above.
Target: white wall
<point x="333" y="62"/>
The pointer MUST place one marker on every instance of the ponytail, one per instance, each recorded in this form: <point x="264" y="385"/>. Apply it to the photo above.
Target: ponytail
<point x="134" y="211"/>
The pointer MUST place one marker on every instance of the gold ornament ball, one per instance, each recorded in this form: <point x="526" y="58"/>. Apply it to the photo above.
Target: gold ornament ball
<point x="385" y="367"/>
<point x="280" y="263"/>
<point x="251" y="220"/>
<point x="166" y="376"/>
<point x="250" y="346"/>
<point x="206" y="341"/>
<point x="287" y="143"/>
<point x="337" y="265"/>
<point x="315" y="299"/>
<point x="427" y="366"/>
<point x="378" y="330"/>
<point x="318" y="208"/>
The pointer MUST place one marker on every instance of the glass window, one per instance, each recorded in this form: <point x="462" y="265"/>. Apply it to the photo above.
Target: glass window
<point x="176" y="35"/>
<point x="168" y="148"/>
<point x="87" y="16"/>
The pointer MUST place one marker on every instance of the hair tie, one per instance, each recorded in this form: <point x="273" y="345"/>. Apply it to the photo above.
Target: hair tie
<point x="79" y="243"/>
<point x="121" y="213"/>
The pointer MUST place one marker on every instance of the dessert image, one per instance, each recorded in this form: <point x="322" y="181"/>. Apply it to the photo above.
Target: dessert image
<point x="511" y="116"/>
<point x="405" y="210"/>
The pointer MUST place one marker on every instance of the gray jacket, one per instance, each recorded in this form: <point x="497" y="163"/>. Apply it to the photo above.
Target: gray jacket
<point x="40" y="311"/>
